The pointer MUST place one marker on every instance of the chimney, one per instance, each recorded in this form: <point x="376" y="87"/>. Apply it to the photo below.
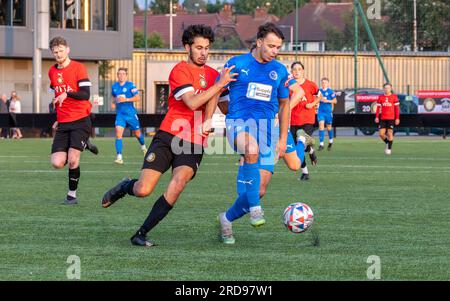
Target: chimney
<point x="261" y="13"/>
<point x="227" y="12"/>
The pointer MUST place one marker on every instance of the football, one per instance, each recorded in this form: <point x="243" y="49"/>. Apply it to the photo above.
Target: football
<point x="298" y="217"/>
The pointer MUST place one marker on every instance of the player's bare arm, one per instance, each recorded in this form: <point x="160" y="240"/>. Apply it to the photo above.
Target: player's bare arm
<point x="195" y="101"/>
<point x="297" y="94"/>
<point x="209" y="111"/>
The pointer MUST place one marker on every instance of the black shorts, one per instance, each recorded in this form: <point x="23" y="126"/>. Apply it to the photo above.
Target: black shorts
<point x="73" y="134"/>
<point x="387" y="124"/>
<point x="308" y="128"/>
<point x="167" y="150"/>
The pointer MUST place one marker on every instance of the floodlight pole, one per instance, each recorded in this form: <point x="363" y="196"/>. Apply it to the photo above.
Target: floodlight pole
<point x="145" y="58"/>
<point x="296" y="30"/>
<point x="415" y="27"/>
<point x="40" y="41"/>
<point x="171" y="26"/>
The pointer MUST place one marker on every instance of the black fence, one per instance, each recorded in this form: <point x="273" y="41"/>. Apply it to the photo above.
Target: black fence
<point x="154" y="120"/>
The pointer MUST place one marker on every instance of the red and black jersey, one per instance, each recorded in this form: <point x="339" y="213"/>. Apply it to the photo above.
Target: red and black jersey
<point x="389" y="107"/>
<point x="301" y="115"/>
<point x="180" y="120"/>
<point x="70" y="79"/>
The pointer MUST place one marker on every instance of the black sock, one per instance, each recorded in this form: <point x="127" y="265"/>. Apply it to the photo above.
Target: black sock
<point x="386" y="140"/>
<point x="74" y="177"/>
<point x="128" y="187"/>
<point x="308" y="149"/>
<point x="303" y="164"/>
<point x="160" y="209"/>
<point x="390" y="144"/>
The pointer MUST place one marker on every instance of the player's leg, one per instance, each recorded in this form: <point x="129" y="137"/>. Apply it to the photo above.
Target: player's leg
<point x="390" y="137"/>
<point x="119" y="143"/>
<point x="249" y="177"/>
<point x="157" y="161"/>
<point x="382" y="133"/>
<point x="329" y="124"/>
<point x="180" y="177"/>
<point x="185" y="167"/>
<point x="321" y="120"/>
<point x="133" y="123"/>
<point x="295" y="153"/>
<point x="73" y="160"/>
<point x="141" y="139"/>
<point x="79" y="135"/>
<point x="309" y="129"/>
<point x="60" y="147"/>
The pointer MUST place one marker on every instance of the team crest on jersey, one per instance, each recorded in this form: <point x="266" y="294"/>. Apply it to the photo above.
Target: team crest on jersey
<point x="151" y="157"/>
<point x="273" y="75"/>
<point x="124" y="90"/>
<point x="60" y="79"/>
<point x="203" y="83"/>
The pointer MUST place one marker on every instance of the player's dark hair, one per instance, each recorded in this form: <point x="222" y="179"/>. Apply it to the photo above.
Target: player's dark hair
<point x="387" y="84"/>
<point x="325" y="78"/>
<point x="197" y="30"/>
<point x="58" y="41"/>
<point x="123" y="69"/>
<point x="267" y="28"/>
<point x="297" y="63"/>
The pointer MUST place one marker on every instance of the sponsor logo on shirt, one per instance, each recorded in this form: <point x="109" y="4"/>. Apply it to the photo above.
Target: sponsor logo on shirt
<point x="259" y="91"/>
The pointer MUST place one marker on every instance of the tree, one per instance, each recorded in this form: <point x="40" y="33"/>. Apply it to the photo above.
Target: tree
<point x="232" y="43"/>
<point x="194" y="6"/>
<point x="213" y="8"/>
<point x="154" y="40"/>
<point x="432" y="19"/>
<point x="161" y="7"/>
<point x="279" y="8"/>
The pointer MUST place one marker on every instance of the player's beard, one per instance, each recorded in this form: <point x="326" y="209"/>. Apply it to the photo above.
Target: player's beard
<point x="62" y="61"/>
<point x="191" y="57"/>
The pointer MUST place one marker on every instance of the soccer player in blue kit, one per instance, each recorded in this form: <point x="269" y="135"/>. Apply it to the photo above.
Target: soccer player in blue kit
<point x="259" y="93"/>
<point x="325" y="113"/>
<point x="124" y="95"/>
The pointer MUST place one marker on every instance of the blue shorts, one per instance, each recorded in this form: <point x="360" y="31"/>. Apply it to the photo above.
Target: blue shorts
<point x="327" y="117"/>
<point x="262" y="136"/>
<point x="131" y="121"/>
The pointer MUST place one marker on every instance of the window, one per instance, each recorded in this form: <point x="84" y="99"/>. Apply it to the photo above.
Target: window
<point x="162" y="98"/>
<point x="98" y="19"/>
<point x="12" y="12"/>
<point x="111" y="15"/>
<point x="84" y="14"/>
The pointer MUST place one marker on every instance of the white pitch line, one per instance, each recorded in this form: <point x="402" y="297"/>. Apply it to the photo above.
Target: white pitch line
<point x="221" y="172"/>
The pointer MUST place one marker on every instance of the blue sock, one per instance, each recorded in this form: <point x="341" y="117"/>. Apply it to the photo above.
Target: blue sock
<point x="119" y="146"/>
<point x="321" y="135"/>
<point x="240" y="181"/>
<point x="239" y="208"/>
<point x="141" y="139"/>
<point x="301" y="151"/>
<point x="252" y="180"/>
<point x="330" y="134"/>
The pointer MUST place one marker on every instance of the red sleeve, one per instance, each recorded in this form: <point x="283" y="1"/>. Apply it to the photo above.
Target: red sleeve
<point x="180" y="82"/>
<point x="82" y="76"/>
<point x="378" y="112"/>
<point x="316" y="89"/>
<point x="396" y="107"/>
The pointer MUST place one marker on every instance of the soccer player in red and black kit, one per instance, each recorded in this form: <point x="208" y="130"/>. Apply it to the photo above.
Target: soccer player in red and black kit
<point x="181" y="136"/>
<point x="70" y="82"/>
<point x="389" y="108"/>
<point x="303" y="113"/>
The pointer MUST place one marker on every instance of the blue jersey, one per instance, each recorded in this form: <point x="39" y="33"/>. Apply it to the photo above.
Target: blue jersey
<point x="326" y="108"/>
<point x="258" y="87"/>
<point x="128" y="90"/>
